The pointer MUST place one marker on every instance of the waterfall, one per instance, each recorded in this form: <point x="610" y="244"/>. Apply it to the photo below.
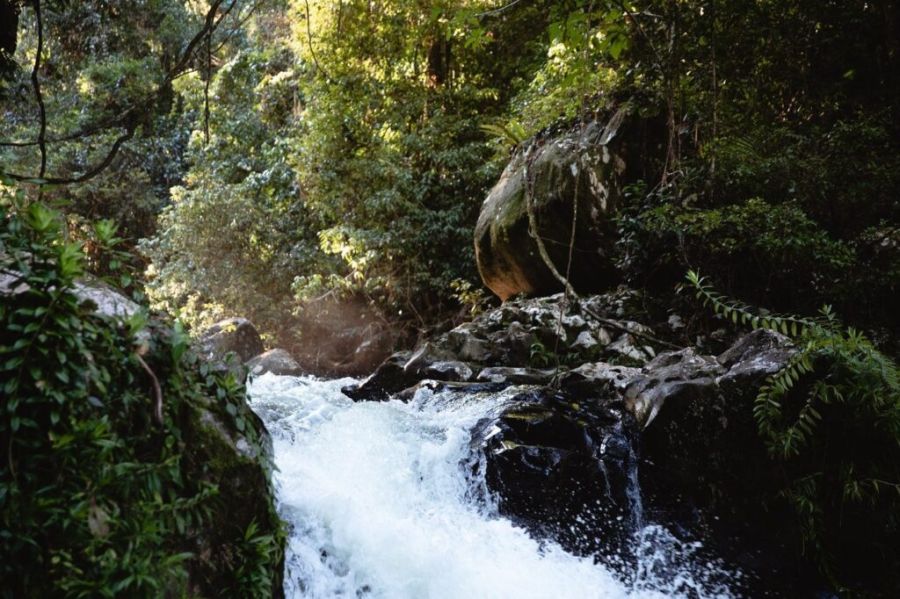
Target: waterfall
<point x="382" y="501"/>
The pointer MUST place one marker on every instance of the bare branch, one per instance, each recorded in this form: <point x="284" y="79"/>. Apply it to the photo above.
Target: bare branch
<point x="499" y="10"/>
<point x="89" y="174"/>
<point x="157" y="390"/>
<point x="124" y="118"/>
<point x="36" y="83"/>
<point x="311" y="49"/>
<point x="242" y="19"/>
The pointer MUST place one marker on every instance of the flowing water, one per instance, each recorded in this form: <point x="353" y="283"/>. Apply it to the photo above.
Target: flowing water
<point x="382" y="502"/>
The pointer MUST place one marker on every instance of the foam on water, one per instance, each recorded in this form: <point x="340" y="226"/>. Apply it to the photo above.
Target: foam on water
<point x="382" y="503"/>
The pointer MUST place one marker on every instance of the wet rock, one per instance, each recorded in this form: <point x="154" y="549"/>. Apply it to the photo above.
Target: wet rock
<point x="404" y="370"/>
<point x="673" y="376"/>
<point x="700" y="443"/>
<point x="754" y="357"/>
<point x="432" y="386"/>
<point x="703" y="463"/>
<point x="564" y="470"/>
<point x="275" y="361"/>
<point x="516" y="376"/>
<point x="232" y="335"/>
<point x="598" y="380"/>
<point x="389" y="378"/>
<point x="436" y="362"/>
<point x="448" y="371"/>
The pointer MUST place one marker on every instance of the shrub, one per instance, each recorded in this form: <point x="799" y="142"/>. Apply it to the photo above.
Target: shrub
<point x="769" y="253"/>
<point x="830" y="420"/>
<point x="104" y="489"/>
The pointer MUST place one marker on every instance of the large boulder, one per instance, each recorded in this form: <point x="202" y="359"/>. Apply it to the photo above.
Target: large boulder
<point x="104" y="298"/>
<point x="231" y="335"/>
<point x="582" y="167"/>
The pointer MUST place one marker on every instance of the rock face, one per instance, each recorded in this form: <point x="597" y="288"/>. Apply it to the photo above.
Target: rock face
<point x="700" y="440"/>
<point x="239" y="462"/>
<point x="581" y="168"/>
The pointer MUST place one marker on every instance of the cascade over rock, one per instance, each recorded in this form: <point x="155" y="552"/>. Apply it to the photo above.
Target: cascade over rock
<point x="566" y="449"/>
<point x="584" y="167"/>
<point x="554" y="462"/>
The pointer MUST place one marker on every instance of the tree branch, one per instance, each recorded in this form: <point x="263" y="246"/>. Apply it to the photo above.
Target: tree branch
<point x="312" y="51"/>
<point x="89" y="174"/>
<point x="36" y="83"/>
<point x="157" y="390"/>
<point x="120" y="120"/>
<point x="499" y="10"/>
<point x="241" y="20"/>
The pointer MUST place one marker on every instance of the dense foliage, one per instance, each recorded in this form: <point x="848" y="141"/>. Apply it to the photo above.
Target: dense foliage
<point x="317" y="165"/>
<point x="830" y="420"/>
<point x="107" y="486"/>
<point x="309" y="154"/>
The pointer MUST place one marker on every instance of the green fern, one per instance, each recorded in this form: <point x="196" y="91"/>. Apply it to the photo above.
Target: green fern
<point x="512" y="133"/>
<point x="837" y="370"/>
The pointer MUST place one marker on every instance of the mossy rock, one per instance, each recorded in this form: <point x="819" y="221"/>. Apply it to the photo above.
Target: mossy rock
<point x="240" y="464"/>
<point x="582" y="168"/>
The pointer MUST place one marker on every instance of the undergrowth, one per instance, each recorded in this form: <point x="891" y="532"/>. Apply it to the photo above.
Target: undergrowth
<point x="830" y="420"/>
<point x="101" y="494"/>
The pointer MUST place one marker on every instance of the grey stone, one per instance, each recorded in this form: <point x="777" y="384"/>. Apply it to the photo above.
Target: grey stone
<point x="107" y="300"/>
<point x="237" y="335"/>
<point x="681" y="375"/>
<point x="275" y="361"/>
<point x="584" y="342"/>
<point x="598" y="379"/>
<point x="448" y="370"/>
<point x="754" y="357"/>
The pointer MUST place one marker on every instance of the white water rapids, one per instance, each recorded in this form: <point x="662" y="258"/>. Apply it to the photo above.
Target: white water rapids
<point x="381" y="504"/>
